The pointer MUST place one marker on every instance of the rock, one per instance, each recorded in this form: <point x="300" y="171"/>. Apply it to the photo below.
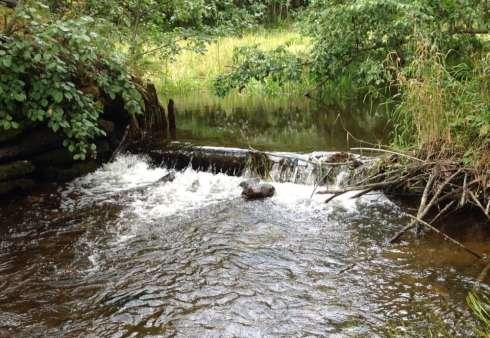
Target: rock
<point x="252" y="190"/>
<point x="170" y="177"/>
<point x="15" y="170"/>
<point x="250" y="182"/>
<point x="15" y="185"/>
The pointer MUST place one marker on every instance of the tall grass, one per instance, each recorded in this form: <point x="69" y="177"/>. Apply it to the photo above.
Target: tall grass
<point x="191" y="72"/>
<point x="444" y="105"/>
<point x="480" y="307"/>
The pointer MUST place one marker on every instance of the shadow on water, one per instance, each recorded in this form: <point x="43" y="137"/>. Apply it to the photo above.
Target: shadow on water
<point x="280" y="123"/>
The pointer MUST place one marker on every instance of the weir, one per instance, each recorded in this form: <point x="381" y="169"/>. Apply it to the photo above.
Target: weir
<point x="302" y="168"/>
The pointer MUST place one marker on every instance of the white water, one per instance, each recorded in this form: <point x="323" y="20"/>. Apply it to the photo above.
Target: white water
<point x="191" y="258"/>
<point x="192" y="190"/>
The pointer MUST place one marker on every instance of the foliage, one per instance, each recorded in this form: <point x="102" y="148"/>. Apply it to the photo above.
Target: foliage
<point x="192" y="72"/>
<point x="156" y="27"/>
<point x="364" y="38"/>
<point x="250" y="63"/>
<point x="48" y="69"/>
<point x="444" y="103"/>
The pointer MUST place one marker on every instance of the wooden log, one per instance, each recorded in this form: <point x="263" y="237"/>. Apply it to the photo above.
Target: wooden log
<point x="155" y="118"/>
<point x="9" y="135"/>
<point x="37" y="141"/>
<point x="171" y="119"/>
<point x="15" y="170"/>
<point x="66" y="174"/>
<point x="53" y="158"/>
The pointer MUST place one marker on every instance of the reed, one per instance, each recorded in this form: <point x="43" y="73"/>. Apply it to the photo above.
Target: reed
<point x="444" y="107"/>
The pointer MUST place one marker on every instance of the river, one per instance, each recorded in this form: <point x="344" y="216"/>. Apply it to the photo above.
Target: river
<point x="100" y="258"/>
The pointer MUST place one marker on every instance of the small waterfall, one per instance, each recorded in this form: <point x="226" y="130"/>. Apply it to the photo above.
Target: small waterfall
<point x="309" y="169"/>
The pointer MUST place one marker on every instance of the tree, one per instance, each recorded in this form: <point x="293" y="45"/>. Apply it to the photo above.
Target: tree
<point x="366" y="39"/>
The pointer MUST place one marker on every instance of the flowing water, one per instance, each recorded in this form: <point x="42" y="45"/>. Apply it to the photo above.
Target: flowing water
<point x="118" y="254"/>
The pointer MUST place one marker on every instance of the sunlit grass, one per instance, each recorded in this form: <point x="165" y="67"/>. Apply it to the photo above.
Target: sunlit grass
<point x="193" y="72"/>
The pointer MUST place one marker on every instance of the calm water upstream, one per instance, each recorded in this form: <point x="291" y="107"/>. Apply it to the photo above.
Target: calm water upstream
<point x="97" y="258"/>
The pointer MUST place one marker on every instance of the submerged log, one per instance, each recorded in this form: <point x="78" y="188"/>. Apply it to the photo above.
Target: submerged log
<point x="37" y="141"/>
<point x="285" y="167"/>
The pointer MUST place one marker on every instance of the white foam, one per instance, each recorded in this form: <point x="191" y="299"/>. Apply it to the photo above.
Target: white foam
<point x="191" y="190"/>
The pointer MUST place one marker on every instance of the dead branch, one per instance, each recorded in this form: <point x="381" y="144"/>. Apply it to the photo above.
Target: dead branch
<point x="389" y="152"/>
<point x="452" y="240"/>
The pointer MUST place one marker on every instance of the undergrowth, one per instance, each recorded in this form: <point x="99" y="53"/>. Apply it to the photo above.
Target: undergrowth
<point x="445" y="108"/>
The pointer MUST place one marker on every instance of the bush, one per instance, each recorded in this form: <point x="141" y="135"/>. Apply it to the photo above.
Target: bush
<point x="56" y="73"/>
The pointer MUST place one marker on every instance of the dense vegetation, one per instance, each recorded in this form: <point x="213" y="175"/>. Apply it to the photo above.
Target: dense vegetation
<point x="58" y="59"/>
<point x="429" y="52"/>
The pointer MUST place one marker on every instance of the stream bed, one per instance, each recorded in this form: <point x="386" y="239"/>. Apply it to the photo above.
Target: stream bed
<point x="101" y="258"/>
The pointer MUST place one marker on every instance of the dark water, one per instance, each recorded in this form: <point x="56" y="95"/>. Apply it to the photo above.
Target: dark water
<point x="192" y="259"/>
<point x="280" y="124"/>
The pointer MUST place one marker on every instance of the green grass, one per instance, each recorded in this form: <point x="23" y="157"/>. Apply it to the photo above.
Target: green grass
<point x="193" y="72"/>
<point x="445" y="106"/>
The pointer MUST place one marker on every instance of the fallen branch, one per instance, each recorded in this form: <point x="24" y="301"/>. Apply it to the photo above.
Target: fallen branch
<point x="335" y="196"/>
<point x="452" y="240"/>
<point x="121" y="144"/>
<point x="389" y="152"/>
<point x="479" y="204"/>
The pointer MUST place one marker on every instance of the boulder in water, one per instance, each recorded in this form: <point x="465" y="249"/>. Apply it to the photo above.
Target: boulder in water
<point x="253" y="189"/>
<point x="170" y="177"/>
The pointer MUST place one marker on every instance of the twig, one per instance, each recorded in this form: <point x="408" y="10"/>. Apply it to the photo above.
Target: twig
<point x="452" y="240"/>
<point x="479" y="204"/>
<point x="320" y="182"/>
<point x="362" y="193"/>
<point x="446" y="208"/>
<point x="337" y="194"/>
<point x="465" y="188"/>
<point x="420" y="213"/>
<point x="481" y="277"/>
<point x="389" y="152"/>
<point x="121" y="144"/>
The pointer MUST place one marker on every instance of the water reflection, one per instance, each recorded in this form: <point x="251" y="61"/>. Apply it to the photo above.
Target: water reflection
<point x="283" y="124"/>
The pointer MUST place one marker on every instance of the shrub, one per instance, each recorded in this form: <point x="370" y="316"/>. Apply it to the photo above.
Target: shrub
<point x="47" y="68"/>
